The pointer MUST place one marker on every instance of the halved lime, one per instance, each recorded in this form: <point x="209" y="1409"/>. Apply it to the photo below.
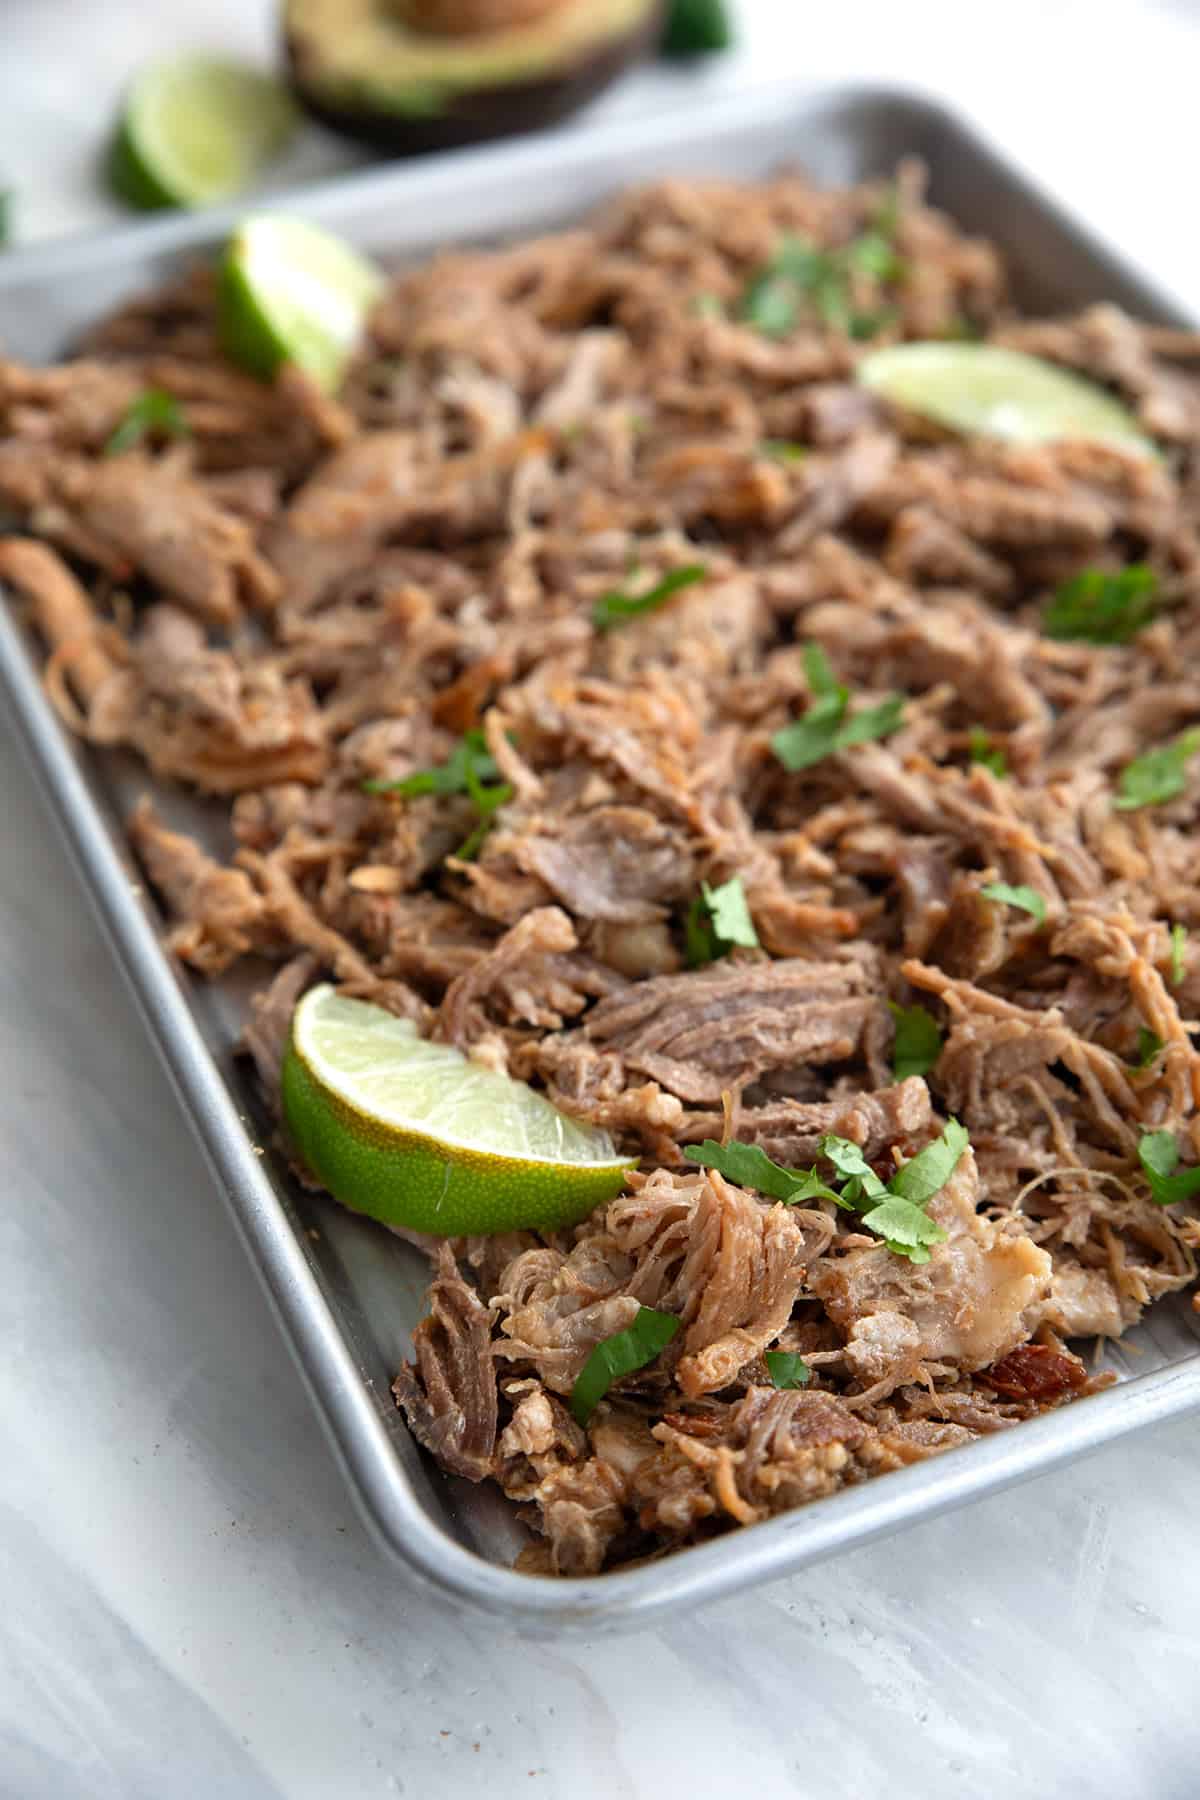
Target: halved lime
<point x="993" y="392"/>
<point x="196" y="129"/>
<point x="414" y="1134"/>
<point x="290" y="292"/>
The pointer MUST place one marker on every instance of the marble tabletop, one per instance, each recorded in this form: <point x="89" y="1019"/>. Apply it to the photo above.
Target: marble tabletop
<point x="189" y="1606"/>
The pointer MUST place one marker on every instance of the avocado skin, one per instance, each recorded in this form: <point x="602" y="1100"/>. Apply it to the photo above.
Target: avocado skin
<point x="471" y="117"/>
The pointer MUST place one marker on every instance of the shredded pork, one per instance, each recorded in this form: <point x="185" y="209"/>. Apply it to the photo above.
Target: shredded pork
<point x="305" y="596"/>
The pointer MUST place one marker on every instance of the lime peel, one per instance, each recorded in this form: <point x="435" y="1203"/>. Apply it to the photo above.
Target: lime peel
<point x="991" y="391"/>
<point x="417" y="1136"/>
<point x="195" y="130"/>
<point x="289" y="292"/>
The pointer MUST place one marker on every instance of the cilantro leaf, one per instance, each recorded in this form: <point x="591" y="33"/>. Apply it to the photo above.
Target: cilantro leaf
<point x="988" y="755"/>
<point x="786" y="1369"/>
<point x="610" y="609"/>
<point x="825" y="727"/>
<point x="451" y="777"/>
<point x="873" y="254"/>
<point x="747" y="1165"/>
<point x="621" y="1355"/>
<point x="1149" y="1047"/>
<point x="154" y="411"/>
<point x="905" y="1227"/>
<point x="1178" y="943"/>
<point x="917" y="1043"/>
<point x="872" y="722"/>
<point x="780" y="450"/>
<point x="1158" y="1154"/>
<point x="1026" y="899"/>
<point x="850" y="1163"/>
<point x="1098" y="607"/>
<point x="708" y="306"/>
<point x="927" y="1173"/>
<point x="814" y="737"/>
<point x="1159" y="775"/>
<point x="801" y="278"/>
<point x="771" y="303"/>
<point x="895" y="1209"/>
<point x="717" y="921"/>
<point x="818" y="671"/>
<point x="469" y="766"/>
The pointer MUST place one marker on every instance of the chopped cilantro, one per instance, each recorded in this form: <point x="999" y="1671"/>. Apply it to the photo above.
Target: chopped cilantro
<point x="610" y="609"/>
<point x="982" y="750"/>
<point x="1159" y="775"/>
<point x="717" y="921"/>
<point x="1098" y="607"/>
<point x="917" y="1043"/>
<point x="893" y="1209"/>
<point x="708" y="306"/>
<point x="1026" y="899"/>
<point x="786" y="1369"/>
<point x="451" y="777"/>
<point x="927" y="1173"/>
<point x="905" y="1228"/>
<point x="1149" y="1047"/>
<point x="1158" y="1154"/>
<point x="872" y="722"/>
<point x="1178" y="944"/>
<point x="154" y="413"/>
<point x="467" y="770"/>
<point x="749" y="1166"/>
<point x="818" y="672"/>
<point x="621" y="1355"/>
<point x="780" y="450"/>
<point x="800" y="278"/>
<point x="825" y="727"/>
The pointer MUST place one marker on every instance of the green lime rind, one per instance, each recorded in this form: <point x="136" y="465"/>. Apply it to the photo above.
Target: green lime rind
<point x="988" y="390"/>
<point x="412" y="1133"/>
<point x="405" y="1179"/>
<point x="195" y="130"/>
<point x="131" y="180"/>
<point x="289" y="292"/>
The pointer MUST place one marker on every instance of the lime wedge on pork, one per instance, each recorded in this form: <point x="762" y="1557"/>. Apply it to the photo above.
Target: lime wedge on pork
<point x="290" y="292"/>
<point x="195" y="130"/>
<point x="414" y="1134"/>
<point x="987" y="391"/>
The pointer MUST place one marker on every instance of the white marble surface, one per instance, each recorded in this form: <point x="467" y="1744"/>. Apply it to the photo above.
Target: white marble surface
<point x="188" y="1605"/>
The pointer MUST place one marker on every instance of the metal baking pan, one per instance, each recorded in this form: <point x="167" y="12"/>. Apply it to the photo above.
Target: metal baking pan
<point x="347" y="1293"/>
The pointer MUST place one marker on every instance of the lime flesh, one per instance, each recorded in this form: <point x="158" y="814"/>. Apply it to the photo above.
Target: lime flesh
<point x="415" y="1135"/>
<point x="986" y="390"/>
<point x="290" y="292"/>
<point x="195" y="130"/>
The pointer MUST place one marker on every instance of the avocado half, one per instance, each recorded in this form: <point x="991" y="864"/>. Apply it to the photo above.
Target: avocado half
<point x="364" y="66"/>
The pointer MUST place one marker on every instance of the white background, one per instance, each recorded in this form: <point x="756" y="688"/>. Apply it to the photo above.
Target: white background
<point x="188" y="1606"/>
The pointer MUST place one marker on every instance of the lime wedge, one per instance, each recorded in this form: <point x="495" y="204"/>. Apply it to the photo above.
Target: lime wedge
<point x="289" y="292"/>
<point x="986" y="390"/>
<point x="414" y="1134"/>
<point x="195" y="130"/>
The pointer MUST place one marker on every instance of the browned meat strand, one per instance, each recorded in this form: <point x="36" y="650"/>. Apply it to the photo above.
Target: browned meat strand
<point x="306" y="597"/>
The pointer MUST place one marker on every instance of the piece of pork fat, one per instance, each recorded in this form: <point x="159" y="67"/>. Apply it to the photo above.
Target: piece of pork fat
<point x="449" y="1394"/>
<point x="217" y="914"/>
<point x="727" y="1265"/>
<point x="704" y="1032"/>
<point x="981" y="1293"/>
